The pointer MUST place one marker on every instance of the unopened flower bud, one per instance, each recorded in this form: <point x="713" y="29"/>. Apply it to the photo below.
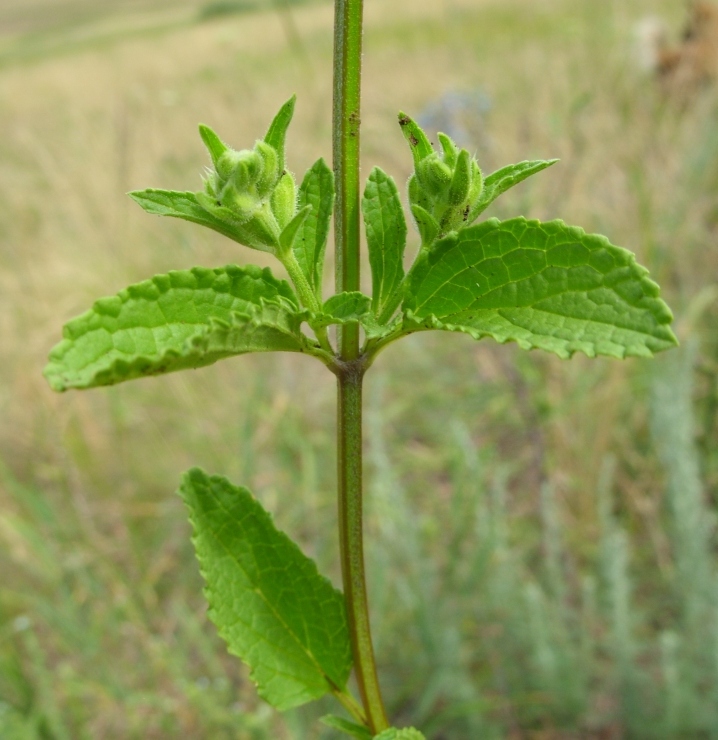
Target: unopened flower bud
<point x="445" y="186"/>
<point x="284" y="200"/>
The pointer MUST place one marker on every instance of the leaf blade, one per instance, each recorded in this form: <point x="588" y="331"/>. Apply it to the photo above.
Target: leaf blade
<point x="182" y="205"/>
<point x="267" y="599"/>
<point x="317" y="191"/>
<point x="504" y="179"/>
<point x="349" y="307"/>
<point x="183" y="319"/>
<point x="277" y="133"/>
<point x="385" y="226"/>
<point x="510" y="280"/>
<point x="407" y="733"/>
<point x="343" y="725"/>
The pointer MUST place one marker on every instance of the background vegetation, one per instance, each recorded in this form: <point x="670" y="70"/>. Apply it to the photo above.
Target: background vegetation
<point x="541" y="534"/>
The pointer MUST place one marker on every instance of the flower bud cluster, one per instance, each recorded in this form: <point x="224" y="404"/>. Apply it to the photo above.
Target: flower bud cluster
<point x="445" y="186"/>
<point x="250" y="189"/>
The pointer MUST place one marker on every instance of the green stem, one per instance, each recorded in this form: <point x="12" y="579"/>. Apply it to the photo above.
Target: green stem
<point x="306" y="296"/>
<point x="348" y="16"/>
<point x="349" y="453"/>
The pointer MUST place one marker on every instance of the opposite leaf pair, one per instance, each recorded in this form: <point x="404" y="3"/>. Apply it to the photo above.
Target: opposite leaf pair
<point x="542" y="285"/>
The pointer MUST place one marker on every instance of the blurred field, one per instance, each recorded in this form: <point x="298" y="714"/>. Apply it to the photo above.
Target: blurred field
<point x="541" y="534"/>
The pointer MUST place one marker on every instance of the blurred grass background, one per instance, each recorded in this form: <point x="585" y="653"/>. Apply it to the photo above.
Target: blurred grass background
<point x="541" y="534"/>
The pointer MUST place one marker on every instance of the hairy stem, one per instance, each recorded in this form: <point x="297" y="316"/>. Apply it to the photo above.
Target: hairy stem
<point x="345" y="140"/>
<point x="349" y="453"/>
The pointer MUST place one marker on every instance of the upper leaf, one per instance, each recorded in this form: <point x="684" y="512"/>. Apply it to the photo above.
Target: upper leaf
<point x="500" y="181"/>
<point x="542" y="285"/>
<point x="186" y="207"/>
<point x="183" y="319"/>
<point x="277" y="133"/>
<point x="267" y="599"/>
<point x="343" y="308"/>
<point x="386" y="236"/>
<point x="317" y="191"/>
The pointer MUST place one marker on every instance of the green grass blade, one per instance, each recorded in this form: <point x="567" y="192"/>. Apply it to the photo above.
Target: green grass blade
<point x="386" y="236"/>
<point x="267" y="599"/>
<point x="183" y="319"/>
<point x="542" y="285"/>
<point x="317" y="191"/>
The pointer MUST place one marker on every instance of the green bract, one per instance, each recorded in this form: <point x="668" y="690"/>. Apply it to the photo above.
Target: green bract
<point x="544" y="286"/>
<point x="447" y="191"/>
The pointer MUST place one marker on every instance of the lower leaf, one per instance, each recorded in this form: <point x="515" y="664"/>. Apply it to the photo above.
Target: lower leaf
<point x="267" y="599"/>
<point x="408" y="733"/>
<point x="350" y="728"/>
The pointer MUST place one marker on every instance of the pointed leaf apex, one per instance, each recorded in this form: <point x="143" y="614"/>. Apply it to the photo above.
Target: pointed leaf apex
<point x="418" y="141"/>
<point x="277" y="133"/>
<point x="214" y="144"/>
<point x="451" y="151"/>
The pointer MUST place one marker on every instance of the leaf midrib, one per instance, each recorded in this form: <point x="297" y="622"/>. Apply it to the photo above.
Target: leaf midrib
<point x="261" y="593"/>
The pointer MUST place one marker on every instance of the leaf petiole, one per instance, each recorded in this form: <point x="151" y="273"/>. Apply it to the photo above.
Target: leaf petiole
<point x="351" y="705"/>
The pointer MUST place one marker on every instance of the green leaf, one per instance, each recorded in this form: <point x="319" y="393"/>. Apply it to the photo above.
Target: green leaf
<point x="183" y="319"/>
<point x="408" y="733"/>
<point x="386" y="236"/>
<point x="277" y="133"/>
<point x="428" y="226"/>
<point x="184" y="206"/>
<point x="413" y="133"/>
<point x="289" y="234"/>
<point x="267" y="599"/>
<point x="215" y="146"/>
<point x="343" y="308"/>
<point x="502" y="180"/>
<point x="350" y="728"/>
<point x="317" y="191"/>
<point x="542" y="285"/>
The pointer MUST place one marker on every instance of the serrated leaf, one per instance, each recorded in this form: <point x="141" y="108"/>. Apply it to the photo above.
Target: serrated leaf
<point x="502" y="180"/>
<point x="343" y="308"/>
<point x="343" y="725"/>
<point x="408" y="733"/>
<point x="317" y="191"/>
<point x="183" y="319"/>
<point x="184" y="206"/>
<point x="267" y="599"/>
<point x="277" y="133"/>
<point x="386" y="236"/>
<point x="542" y="285"/>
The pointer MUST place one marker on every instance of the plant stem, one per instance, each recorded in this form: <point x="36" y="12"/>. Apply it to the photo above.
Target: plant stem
<point x="349" y="453"/>
<point x="348" y="16"/>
